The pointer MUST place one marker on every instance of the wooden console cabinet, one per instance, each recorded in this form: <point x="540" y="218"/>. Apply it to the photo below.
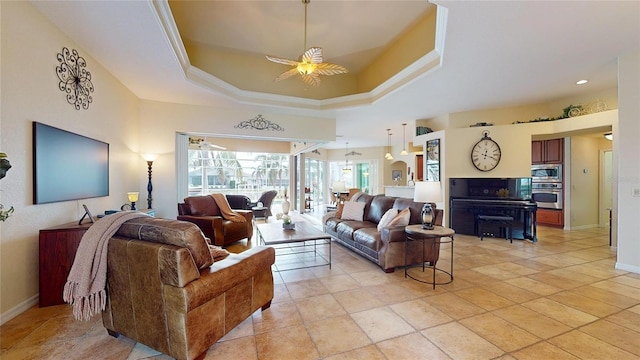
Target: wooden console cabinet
<point x="58" y="247"/>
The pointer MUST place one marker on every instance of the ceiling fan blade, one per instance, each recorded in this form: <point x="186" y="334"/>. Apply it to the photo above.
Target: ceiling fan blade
<point x="330" y="69"/>
<point x="287" y="74"/>
<point x="312" y="55"/>
<point x="312" y="79"/>
<point x="282" y="60"/>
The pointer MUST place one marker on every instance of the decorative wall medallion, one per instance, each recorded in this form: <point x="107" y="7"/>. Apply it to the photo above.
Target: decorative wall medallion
<point x="75" y="80"/>
<point x="259" y="123"/>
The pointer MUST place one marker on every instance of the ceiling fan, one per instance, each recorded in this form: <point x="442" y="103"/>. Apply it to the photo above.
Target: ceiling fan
<point x="311" y="65"/>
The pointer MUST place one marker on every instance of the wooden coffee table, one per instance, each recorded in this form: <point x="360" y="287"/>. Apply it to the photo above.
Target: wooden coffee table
<point x="296" y="246"/>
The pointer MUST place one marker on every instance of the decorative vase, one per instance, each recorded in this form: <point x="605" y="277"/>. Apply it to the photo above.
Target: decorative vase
<point x="285" y="206"/>
<point x="289" y="226"/>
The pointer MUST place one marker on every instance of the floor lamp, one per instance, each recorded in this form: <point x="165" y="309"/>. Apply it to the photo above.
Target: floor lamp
<point x="149" y="158"/>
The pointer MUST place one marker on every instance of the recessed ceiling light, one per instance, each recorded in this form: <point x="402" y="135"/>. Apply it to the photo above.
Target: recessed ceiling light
<point x="583" y="81"/>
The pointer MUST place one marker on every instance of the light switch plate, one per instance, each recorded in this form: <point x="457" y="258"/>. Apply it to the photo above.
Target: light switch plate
<point x="636" y="192"/>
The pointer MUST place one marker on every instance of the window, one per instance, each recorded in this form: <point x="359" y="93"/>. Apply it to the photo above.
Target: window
<point x="229" y="172"/>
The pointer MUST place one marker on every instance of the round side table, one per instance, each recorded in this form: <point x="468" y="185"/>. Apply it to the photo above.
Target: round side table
<point x="436" y="235"/>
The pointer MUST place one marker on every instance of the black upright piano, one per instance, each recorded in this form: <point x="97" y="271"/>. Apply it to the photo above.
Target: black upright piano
<point x="470" y="197"/>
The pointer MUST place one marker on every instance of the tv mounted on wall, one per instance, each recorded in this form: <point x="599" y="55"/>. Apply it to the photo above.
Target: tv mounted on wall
<point x="68" y="166"/>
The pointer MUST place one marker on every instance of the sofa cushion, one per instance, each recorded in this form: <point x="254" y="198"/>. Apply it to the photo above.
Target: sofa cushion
<point x="353" y="211"/>
<point x="339" y="210"/>
<point x="378" y="206"/>
<point x="202" y="206"/>
<point x="414" y="207"/>
<point x="369" y="238"/>
<point x="345" y="229"/>
<point x="387" y="217"/>
<point x="402" y="219"/>
<point x="172" y="232"/>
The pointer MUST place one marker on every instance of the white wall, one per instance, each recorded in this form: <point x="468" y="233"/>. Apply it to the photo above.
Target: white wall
<point x="626" y="149"/>
<point x="29" y="92"/>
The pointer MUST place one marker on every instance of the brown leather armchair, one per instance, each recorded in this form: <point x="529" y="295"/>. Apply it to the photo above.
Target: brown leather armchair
<point x="165" y="290"/>
<point x="204" y="212"/>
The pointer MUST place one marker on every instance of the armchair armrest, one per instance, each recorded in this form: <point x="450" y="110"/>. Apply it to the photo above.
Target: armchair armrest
<point x="210" y="225"/>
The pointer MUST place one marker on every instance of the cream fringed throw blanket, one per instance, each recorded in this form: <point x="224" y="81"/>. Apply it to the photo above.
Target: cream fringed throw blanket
<point x="85" y="287"/>
<point x="225" y="208"/>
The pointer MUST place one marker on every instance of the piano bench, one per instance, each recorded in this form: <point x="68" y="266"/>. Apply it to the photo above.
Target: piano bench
<point x="504" y="222"/>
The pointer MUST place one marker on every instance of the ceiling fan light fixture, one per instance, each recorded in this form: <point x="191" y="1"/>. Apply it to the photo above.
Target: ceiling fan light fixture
<point x="311" y="64"/>
<point x="404" y="140"/>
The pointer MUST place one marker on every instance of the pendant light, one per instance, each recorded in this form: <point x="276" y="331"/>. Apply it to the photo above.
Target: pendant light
<point x="346" y="170"/>
<point x="388" y="155"/>
<point x="404" y="140"/>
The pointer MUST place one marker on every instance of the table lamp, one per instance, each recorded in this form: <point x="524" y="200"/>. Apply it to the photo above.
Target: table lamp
<point x="338" y="186"/>
<point x="133" y="197"/>
<point x="428" y="192"/>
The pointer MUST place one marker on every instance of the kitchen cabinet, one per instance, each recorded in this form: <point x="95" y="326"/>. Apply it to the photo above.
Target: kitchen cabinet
<point x="547" y="151"/>
<point x="550" y="217"/>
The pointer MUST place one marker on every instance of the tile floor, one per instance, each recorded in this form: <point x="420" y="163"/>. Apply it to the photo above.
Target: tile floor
<point x="558" y="299"/>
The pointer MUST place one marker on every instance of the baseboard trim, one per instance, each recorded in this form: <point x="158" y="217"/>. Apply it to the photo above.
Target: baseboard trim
<point x="626" y="267"/>
<point x="19" y="309"/>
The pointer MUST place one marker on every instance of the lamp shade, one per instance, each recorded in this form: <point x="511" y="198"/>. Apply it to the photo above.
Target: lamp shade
<point x="338" y="186"/>
<point x="427" y="191"/>
<point x="149" y="157"/>
<point x="133" y="196"/>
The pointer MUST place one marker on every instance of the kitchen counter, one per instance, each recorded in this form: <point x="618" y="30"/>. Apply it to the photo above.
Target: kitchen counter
<point x="399" y="191"/>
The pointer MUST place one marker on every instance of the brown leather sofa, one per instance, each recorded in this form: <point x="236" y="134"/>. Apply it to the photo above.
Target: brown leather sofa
<point x="165" y="291"/>
<point x="204" y="212"/>
<point x="387" y="247"/>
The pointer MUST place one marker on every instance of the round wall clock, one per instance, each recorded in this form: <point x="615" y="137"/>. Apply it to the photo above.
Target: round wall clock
<point x="486" y="153"/>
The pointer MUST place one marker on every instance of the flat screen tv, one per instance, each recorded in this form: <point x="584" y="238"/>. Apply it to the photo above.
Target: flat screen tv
<point x="68" y="166"/>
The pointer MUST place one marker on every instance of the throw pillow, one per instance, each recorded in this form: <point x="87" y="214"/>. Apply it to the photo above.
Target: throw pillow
<point x="339" y="210"/>
<point x="402" y="219"/>
<point x="387" y="217"/>
<point x="353" y="211"/>
<point x="218" y="253"/>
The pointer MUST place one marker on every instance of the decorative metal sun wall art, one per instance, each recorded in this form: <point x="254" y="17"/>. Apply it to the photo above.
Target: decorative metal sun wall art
<point x="259" y="123"/>
<point x="75" y="80"/>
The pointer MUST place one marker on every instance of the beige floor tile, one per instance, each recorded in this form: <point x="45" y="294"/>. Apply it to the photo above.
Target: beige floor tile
<point x="372" y="277"/>
<point x="606" y="296"/>
<point x="287" y="343"/>
<point x="280" y="293"/>
<point x="511" y="292"/>
<point x="461" y="343"/>
<point x="614" y="334"/>
<point x="392" y="293"/>
<point x="306" y="288"/>
<point x="543" y="351"/>
<point x="585" y="346"/>
<point x="339" y="283"/>
<point x="563" y="313"/>
<point x="556" y="281"/>
<point x="412" y="346"/>
<point x="582" y="303"/>
<point x="381" y="323"/>
<point x="573" y="275"/>
<point x="500" y="332"/>
<point x="621" y="289"/>
<point x="535" y="265"/>
<point x="628" y="280"/>
<point x="279" y="315"/>
<point x="591" y="270"/>
<point x="420" y="314"/>
<point x="291" y="276"/>
<point x="241" y="348"/>
<point x="370" y="352"/>
<point x="48" y="351"/>
<point x="101" y="347"/>
<point x="329" y="341"/>
<point x="58" y="329"/>
<point x="245" y="328"/>
<point x="505" y="271"/>
<point x="454" y="306"/>
<point x="537" y="287"/>
<point x="628" y="319"/>
<point x="484" y="298"/>
<point x="319" y="307"/>
<point x="532" y="321"/>
<point x="357" y="300"/>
